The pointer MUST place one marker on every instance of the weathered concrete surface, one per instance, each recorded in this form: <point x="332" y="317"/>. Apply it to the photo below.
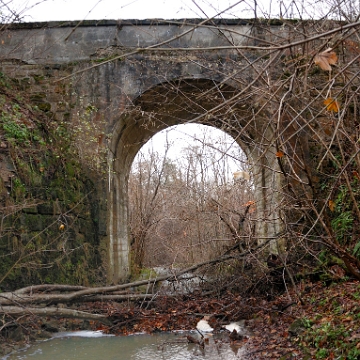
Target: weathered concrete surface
<point x="94" y="78"/>
<point x="61" y="43"/>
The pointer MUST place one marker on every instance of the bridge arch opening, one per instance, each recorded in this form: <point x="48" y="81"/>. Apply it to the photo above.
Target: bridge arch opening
<point x="201" y="101"/>
<point x="188" y="187"/>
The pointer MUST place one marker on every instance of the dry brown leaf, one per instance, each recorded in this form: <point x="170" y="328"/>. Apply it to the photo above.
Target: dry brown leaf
<point x="331" y="205"/>
<point x="337" y="272"/>
<point x="352" y="46"/>
<point x="331" y="105"/>
<point x="325" y="59"/>
<point x="249" y="203"/>
<point x="326" y="319"/>
<point x="279" y="154"/>
<point x="356" y="174"/>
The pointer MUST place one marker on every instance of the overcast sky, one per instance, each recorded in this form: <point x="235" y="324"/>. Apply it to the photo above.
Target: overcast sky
<point x="47" y="10"/>
<point x="44" y="10"/>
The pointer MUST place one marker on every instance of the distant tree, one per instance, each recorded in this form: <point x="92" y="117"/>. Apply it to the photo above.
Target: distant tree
<point x="172" y="212"/>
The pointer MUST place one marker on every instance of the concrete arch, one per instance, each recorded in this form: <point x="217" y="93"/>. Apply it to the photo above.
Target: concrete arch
<point x="179" y="102"/>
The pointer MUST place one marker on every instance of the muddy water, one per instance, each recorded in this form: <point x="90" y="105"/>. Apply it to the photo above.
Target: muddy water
<point x="94" y="346"/>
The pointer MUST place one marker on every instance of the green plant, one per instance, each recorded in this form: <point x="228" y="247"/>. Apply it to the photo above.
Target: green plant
<point x="307" y="323"/>
<point x="356" y="250"/>
<point x="18" y="188"/>
<point x="354" y="354"/>
<point x="342" y="224"/>
<point x="17" y="127"/>
<point x="13" y="129"/>
<point x="3" y="80"/>
<point x="329" y="337"/>
<point x="323" y="302"/>
<point x="322" y="354"/>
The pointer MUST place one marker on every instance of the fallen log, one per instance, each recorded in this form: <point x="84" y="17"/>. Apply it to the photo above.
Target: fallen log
<point x="22" y="302"/>
<point x="54" y="312"/>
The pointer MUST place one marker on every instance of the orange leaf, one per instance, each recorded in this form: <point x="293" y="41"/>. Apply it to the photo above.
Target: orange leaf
<point x="331" y="105"/>
<point x="279" y="154"/>
<point x="331" y="205"/>
<point x="352" y="46"/>
<point x="325" y="59"/>
<point x="356" y="174"/>
<point x="249" y="203"/>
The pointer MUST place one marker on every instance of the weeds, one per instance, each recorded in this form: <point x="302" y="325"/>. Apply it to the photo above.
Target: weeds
<point x="332" y="329"/>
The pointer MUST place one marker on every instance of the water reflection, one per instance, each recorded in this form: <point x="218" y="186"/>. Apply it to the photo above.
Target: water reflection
<point x="137" y="347"/>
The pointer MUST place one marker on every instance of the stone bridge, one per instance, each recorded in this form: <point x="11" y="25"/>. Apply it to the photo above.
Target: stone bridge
<point x="128" y="80"/>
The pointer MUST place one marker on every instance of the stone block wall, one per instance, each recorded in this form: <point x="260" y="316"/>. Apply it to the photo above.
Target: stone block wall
<point x="49" y="210"/>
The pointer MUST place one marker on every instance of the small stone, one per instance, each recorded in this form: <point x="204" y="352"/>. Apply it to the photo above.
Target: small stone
<point x="50" y="327"/>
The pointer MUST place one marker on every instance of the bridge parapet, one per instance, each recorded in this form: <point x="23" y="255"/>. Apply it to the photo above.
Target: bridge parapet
<point x="66" y="42"/>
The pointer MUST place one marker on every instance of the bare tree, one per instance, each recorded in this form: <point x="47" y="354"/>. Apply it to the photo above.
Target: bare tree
<point x="193" y="196"/>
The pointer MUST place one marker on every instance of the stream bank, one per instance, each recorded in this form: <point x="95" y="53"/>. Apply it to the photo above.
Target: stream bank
<point x="326" y="325"/>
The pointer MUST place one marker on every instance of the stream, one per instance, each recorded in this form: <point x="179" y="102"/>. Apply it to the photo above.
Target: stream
<point x="92" y="345"/>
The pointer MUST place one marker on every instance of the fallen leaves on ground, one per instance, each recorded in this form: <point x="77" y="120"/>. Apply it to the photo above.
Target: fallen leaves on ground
<point x="331" y="315"/>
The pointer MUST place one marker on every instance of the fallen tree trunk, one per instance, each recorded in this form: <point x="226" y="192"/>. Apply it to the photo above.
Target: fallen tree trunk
<point x="56" y="312"/>
<point x="22" y="302"/>
<point x="31" y="294"/>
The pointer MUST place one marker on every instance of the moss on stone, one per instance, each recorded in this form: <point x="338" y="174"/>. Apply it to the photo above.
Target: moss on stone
<point x="44" y="106"/>
<point x="46" y="234"/>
